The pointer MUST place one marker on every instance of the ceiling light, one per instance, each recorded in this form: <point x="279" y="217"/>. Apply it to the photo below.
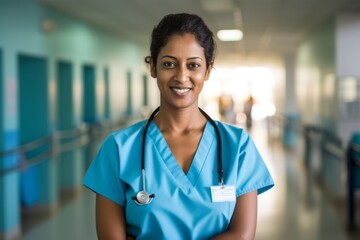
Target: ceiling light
<point x="230" y="35"/>
<point x="217" y="6"/>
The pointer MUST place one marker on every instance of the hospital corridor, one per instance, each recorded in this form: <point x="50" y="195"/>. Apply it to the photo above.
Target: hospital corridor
<point x="286" y="72"/>
<point x="297" y="208"/>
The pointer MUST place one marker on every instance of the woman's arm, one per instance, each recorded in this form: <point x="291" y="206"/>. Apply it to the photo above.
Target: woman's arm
<point x="110" y="220"/>
<point x="243" y="222"/>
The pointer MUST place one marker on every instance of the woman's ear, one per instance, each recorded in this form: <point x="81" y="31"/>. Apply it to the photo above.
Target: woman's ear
<point x="152" y="68"/>
<point x="208" y="71"/>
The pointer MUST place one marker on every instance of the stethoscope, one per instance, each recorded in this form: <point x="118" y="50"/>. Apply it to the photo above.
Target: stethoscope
<point x="143" y="197"/>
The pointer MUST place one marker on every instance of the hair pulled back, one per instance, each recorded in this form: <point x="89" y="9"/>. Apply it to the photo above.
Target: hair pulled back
<point x="182" y="23"/>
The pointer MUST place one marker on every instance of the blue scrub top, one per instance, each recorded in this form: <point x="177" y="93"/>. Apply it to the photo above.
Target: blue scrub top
<point x="182" y="207"/>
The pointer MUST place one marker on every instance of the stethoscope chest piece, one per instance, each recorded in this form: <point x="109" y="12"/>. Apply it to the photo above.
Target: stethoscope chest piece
<point x="143" y="198"/>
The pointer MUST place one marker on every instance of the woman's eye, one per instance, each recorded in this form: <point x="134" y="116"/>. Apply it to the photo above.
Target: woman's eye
<point x="194" y="65"/>
<point x="169" y="64"/>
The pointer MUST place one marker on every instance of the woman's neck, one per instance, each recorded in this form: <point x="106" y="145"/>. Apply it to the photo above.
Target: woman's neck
<point x="179" y="120"/>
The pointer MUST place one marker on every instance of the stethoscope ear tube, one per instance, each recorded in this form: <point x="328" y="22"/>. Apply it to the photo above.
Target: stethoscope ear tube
<point x="218" y="136"/>
<point x="144" y="137"/>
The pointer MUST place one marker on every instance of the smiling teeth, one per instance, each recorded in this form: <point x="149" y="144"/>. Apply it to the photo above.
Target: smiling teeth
<point x="181" y="90"/>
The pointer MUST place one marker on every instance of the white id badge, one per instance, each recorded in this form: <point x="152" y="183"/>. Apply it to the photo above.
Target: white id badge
<point x="223" y="193"/>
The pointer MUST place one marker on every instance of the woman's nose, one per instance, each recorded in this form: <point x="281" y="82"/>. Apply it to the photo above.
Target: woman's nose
<point x="182" y="74"/>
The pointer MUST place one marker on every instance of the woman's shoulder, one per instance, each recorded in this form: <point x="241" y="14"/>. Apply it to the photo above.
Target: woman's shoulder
<point x="231" y="129"/>
<point x="129" y="129"/>
<point x="233" y="134"/>
<point x="127" y="133"/>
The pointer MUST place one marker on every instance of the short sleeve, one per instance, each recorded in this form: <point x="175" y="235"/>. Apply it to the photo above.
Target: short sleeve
<point x="102" y="176"/>
<point x="253" y="173"/>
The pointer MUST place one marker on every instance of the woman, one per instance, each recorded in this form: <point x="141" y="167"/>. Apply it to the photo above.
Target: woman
<point x="190" y="192"/>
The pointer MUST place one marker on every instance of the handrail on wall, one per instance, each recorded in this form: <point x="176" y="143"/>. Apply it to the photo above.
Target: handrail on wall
<point x="330" y="143"/>
<point x="53" y="144"/>
<point x="349" y="152"/>
<point x="22" y="161"/>
<point x="71" y="139"/>
<point x="282" y="121"/>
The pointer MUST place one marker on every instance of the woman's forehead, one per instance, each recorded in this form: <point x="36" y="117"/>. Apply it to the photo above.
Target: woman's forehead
<point x="185" y="44"/>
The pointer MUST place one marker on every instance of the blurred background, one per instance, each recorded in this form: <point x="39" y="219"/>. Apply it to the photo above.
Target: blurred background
<point x="73" y="71"/>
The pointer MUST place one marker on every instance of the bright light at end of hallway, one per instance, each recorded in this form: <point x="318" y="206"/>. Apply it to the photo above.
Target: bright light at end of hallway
<point x="230" y="35"/>
<point x="240" y="83"/>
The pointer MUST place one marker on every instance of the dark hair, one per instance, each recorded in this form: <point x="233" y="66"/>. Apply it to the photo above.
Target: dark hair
<point x="182" y="23"/>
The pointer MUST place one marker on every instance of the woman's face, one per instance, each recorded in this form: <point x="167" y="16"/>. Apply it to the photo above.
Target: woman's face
<point x="181" y="71"/>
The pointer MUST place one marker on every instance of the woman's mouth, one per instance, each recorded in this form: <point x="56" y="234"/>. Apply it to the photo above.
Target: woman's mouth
<point x="180" y="91"/>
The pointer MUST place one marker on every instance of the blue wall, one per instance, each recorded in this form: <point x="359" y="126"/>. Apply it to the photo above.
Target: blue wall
<point x="1" y="98"/>
<point x="74" y="42"/>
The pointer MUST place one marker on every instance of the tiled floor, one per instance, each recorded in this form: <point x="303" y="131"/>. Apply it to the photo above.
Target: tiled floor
<point x="296" y="208"/>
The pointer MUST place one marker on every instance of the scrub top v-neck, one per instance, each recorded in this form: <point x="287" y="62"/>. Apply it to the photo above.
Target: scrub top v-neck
<point x="182" y="207"/>
<point x="183" y="180"/>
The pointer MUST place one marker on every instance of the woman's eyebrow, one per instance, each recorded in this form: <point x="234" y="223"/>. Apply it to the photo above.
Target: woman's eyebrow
<point x="194" y="58"/>
<point x="168" y="56"/>
<point x="172" y="57"/>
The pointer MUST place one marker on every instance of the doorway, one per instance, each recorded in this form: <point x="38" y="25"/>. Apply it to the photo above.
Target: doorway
<point x="39" y="178"/>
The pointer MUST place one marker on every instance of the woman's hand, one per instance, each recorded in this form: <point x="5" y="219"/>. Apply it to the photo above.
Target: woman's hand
<point x="243" y="222"/>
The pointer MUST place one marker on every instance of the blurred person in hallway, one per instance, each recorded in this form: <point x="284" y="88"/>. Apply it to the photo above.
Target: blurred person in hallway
<point x="226" y="109"/>
<point x="193" y="189"/>
<point x="248" y="105"/>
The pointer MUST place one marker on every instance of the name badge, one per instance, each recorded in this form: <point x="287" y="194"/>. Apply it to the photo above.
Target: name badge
<point x="223" y="193"/>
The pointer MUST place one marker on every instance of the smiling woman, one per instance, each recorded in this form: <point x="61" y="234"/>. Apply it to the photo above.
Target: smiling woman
<point x="180" y="71"/>
<point x="214" y="191"/>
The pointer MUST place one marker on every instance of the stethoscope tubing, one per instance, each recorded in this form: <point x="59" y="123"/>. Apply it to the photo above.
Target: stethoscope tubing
<point x="148" y="197"/>
<point x="218" y="136"/>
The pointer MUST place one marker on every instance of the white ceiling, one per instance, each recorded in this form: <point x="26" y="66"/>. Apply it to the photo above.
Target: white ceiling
<point x="271" y="27"/>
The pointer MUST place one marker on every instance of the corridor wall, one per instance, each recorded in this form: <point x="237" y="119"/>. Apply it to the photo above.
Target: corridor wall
<point x="316" y="90"/>
<point x="316" y="77"/>
<point x="27" y="28"/>
<point x="348" y="68"/>
<point x="327" y="60"/>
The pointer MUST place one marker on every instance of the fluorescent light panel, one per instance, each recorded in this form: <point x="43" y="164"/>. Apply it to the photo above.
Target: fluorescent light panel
<point x="230" y="35"/>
